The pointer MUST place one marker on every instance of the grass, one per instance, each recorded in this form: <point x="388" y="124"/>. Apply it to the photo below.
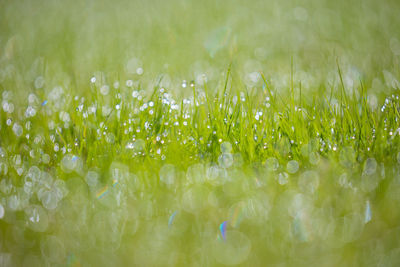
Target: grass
<point x="258" y="124"/>
<point x="179" y="134"/>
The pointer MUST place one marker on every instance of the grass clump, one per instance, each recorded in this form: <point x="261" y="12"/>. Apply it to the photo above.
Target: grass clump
<point x="177" y="133"/>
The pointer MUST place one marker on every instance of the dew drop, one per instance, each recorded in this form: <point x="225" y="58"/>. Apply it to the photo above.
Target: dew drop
<point x="36" y="218"/>
<point x="92" y="178"/>
<point x="184" y="84"/>
<point x="272" y="164"/>
<point x="225" y="160"/>
<point x="139" y="71"/>
<point x="368" y="212"/>
<point x="69" y="163"/>
<point x="370" y="166"/>
<point x="49" y="200"/>
<point x="167" y="174"/>
<point x="314" y="158"/>
<point x="195" y="173"/>
<point x="45" y="158"/>
<point x="39" y="82"/>
<point x="1" y="211"/>
<point x="292" y="166"/>
<point x="17" y="129"/>
<point x="283" y="178"/>
<point x="104" y="90"/>
<point x="13" y="202"/>
<point x="226" y="147"/>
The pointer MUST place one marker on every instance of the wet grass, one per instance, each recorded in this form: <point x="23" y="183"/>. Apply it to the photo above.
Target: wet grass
<point x="176" y="134"/>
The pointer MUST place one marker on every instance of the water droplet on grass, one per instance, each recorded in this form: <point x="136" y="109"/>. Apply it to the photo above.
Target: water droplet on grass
<point x="69" y="163"/>
<point x="213" y="172"/>
<point x="34" y="173"/>
<point x="110" y="138"/>
<point x="314" y="158"/>
<point x="225" y="160"/>
<point x="272" y="164"/>
<point x="139" y="145"/>
<point x="226" y="147"/>
<point x="36" y="218"/>
<point x="13" y="202"/>
<point x="104" y="90"/>
<point x="167" y="174"/>
<point x="347" y="157"/>
<point x="32" y="98"/>
<point x="45" y="158"/>
<point x="237" y="160"/>
<point x="370" y="166"/>
<point x="49" y="200"/>
<point x="133" y="65"/>
<point x="17" y="129"/>
<point x="292" y="166"/>
<point x="60" y="189"/>
<point x="283" y="178"/>
<point x="30" y="112"/>
<point x="6" y="186"/>
<point x="39" y="82"/>
<point x="368" y="212"/>
<point x="1" y="211"/>
<point x="139" y="71"/>
<point x="92" y="178"/>
<point x="195" y="173"/>
<point x="29" y="188"/>
<point x="184" y="84"/>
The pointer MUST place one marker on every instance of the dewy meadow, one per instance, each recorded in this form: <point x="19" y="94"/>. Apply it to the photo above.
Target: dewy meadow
<point x="199" y="133"/>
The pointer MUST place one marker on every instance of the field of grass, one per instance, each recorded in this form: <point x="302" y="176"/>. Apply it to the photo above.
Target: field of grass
<point x="199" y="133"/>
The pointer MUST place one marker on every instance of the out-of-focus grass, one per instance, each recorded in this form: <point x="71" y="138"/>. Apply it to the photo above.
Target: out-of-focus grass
<point x="199" y="133"/>
<point x="79" y="37"/>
